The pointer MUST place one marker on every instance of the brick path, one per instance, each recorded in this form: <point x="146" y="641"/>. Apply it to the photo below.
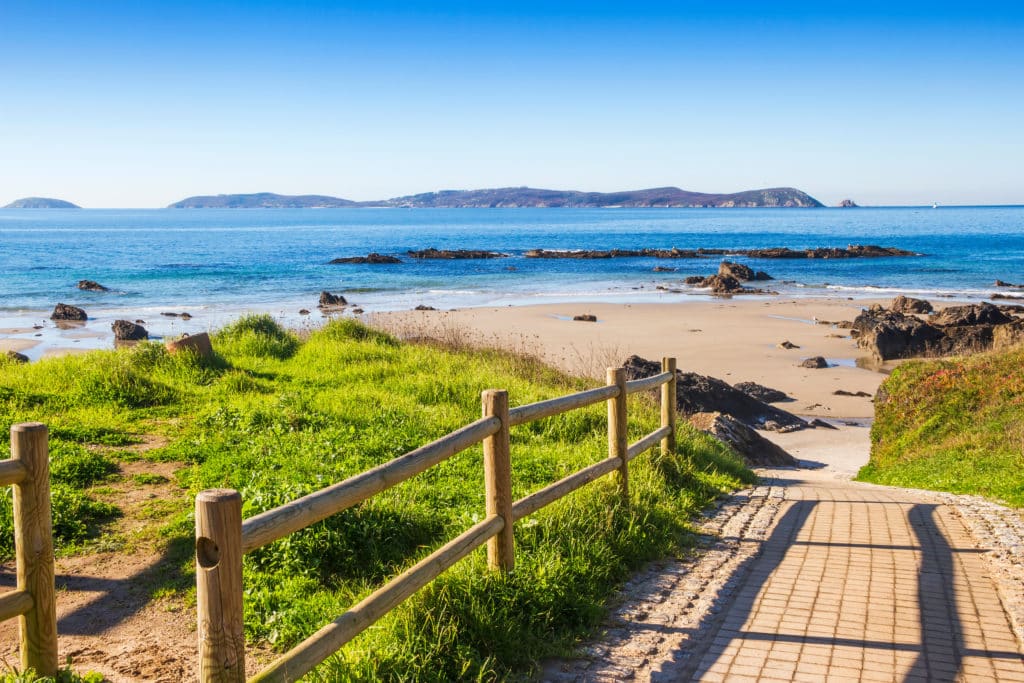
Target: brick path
<point x="845" y="582"/>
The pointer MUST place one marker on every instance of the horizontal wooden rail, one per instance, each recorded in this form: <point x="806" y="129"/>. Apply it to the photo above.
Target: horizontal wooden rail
<point x="562" y="404"/>
<point x="309" y="653"/>
<point x="11" y="472"/>
<point x="648" y="441"/>
<point x="14" y="604"/>
<point x="645" y="383"/>
<point x="272" y="525"/>
<point x="563" y="487"/>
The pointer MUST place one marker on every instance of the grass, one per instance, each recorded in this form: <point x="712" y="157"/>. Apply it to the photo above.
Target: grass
<point x="277" y="417"/>
<point x="953" y="425"/>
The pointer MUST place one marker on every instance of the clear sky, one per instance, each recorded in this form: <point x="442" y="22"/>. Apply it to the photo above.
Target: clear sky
<point x="111" y="104"/>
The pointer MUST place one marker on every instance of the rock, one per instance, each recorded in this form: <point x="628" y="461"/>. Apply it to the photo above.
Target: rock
<point x="976" y="314"/>
<point x="432" y="253"/>
<point x="999" y="295"/>
<point x="373" y="258"/>
<point x="737" y="271"/>
<point x="16" y="357"/>
<point x="140" y="322"/>
<point x="843" y="392"/>
<point x="847" y="204"/>
<point x="172" y="314"/>
<point x="125" y="330"/>
<point x="694" y="280"/>
<point x="328" y="300"/>
<point x="423" y="307"/>
<point x="787" y="345"/>
<point x="1000" y="283"/>
<point x="700" y="394"/>
<point x="761" y="275"/>
<point x="91" y="286"/>
<point x="1005" y="336"/>
<point x="815" y="363"/>
<point x="198" y="344"/>
<point x="755" y="450"/>
<point x="303" y="311"/>
<point x="818" y="423"/>
<point x="761" y="392"/>
<point x="889" y="334"/>
<point x="663" y="269"/>
<point x="68" y="312"/>
<point x="357" y="311"/>
<point x="186" y="316"/>
<point x="903" y="304"/>
<point x="586" y="318"/>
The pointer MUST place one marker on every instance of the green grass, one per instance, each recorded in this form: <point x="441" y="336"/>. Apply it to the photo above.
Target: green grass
<point x="953" y="425"/>
<point x="277" y="417"/>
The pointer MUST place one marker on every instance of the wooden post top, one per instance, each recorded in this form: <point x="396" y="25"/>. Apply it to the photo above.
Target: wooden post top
<point x="25" y="427"/>
<point x="218" y="496"/>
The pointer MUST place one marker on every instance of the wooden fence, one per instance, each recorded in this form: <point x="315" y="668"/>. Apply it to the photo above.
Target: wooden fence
<point x="33" y="601"/>
<point x="222" y="538"/>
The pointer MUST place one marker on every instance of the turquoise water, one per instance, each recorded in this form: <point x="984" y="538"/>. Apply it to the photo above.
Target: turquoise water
<point x="227" y="261"/>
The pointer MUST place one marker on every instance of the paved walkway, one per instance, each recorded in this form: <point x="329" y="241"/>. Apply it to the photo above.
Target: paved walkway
<point x="815" y="578"/>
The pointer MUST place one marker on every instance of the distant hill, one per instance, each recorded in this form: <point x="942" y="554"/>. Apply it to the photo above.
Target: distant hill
<point x="656" y="197"/>
<point x="517" y="197"/>
<point x="262" y="200"/>
<point x="41" y="203"/>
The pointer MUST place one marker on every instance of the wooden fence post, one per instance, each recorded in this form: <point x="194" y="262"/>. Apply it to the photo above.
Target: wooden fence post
<point x="498" y="480"/>
<point x="219" y="586"/>
<point x="618" y="436"/>
<point x="668" y="407"/>
<point x="33" y="542"/>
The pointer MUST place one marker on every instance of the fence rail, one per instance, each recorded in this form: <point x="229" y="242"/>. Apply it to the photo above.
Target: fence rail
<point x="33" y="601"/>
<point x="222" y="538"/>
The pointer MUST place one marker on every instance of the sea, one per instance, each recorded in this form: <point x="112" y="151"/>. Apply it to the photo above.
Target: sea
<point x="217" y="264"/>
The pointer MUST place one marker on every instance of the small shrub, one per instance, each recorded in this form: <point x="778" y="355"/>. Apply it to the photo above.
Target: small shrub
<point x="257" y="336"/>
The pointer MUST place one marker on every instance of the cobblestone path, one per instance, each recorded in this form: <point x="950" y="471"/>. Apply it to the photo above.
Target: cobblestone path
<point x="814" y="578"/>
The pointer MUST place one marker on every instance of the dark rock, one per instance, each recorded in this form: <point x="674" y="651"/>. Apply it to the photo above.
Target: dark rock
<point x="125" y="330"/>
<point x="818" y="423"/>
<point x="423" y="307"/>
<point x="328" y="300"/>
<point x="357" y="311"/>
<point x="787" y="345"/>
<point x="761" y="275"/>
<point x="736" y="271"/>
<point x="755" y="450"/>
<point x="432" y="253"/>
<point x="172" y="314"/>
<point x="92" y="286"/>
<point x="663" y="269"/>
<point x="903" y="304"/>
<point x="303" y="311"/>
<point x="68" y="312"/>
<point x="843" y="392"/>
<point x="186" y="316"/>
<point x="16" y="357"/>
<point x="847" y="204"/>
<point x="1000" y="283"/>
<point x="889" y="334"/>
<point x="761" y="392"/>
<point x="694" y="280"/>
<point x="140" y="322"/>
<point x="976" y="314"/>
<point x="586" y="318"/>
<point x="373" y="258"/>
<point x="999" y="295"/>
<point x="700" y="394"/>
<point x="815" y="363"/>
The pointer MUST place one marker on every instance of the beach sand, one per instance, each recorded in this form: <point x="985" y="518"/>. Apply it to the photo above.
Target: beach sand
<point x="735" y="340"/>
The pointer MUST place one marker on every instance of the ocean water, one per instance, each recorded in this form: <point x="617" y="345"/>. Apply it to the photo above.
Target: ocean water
<point x="218" y="263"/>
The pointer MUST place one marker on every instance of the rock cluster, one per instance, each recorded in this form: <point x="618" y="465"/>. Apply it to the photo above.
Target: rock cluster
<point x="890" y="334"/>
<point x="729" y="279"/>
<point x="328" y="300"/>
<point x="851" y="251"/>
<point x="92" y="286"/>
<point x="755" y="449"/>
<point x="432" y="253"/>
<point x="373" y="258"/>
<point x="761" y="392"/>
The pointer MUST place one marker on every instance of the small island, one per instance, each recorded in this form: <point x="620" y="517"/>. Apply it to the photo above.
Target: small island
<point x="41" y="203"/>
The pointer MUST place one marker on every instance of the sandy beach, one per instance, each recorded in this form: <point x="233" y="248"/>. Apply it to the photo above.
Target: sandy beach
<point x="735" y="340"/>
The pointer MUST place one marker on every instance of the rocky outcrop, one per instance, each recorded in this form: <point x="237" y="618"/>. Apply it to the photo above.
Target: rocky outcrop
<point x="814" y="363"/>
<point x="787" y="345"/>
<point x="126" y="330"/>
<point x="1000" y="283"/>
<point x="847" y="204"/>
<point x="889" y="334"/>
<point x="585" y="318"/>
<point x="700" y="394"/>
<point x="328" y="300"/>
<point x="904" y="304"/>
<point x="372" y="258"/>
<point x="761" y="392"/>
<point x="741" y="272"/>
<point x="92" y="286"/>
<point x="424" y="307"/>
<point x="16" y="357"/>
<point x="68" y="312"/>
<point x="1010" y="334"/>
<point x="756" y="450"/>
<point x="432" y="253"/>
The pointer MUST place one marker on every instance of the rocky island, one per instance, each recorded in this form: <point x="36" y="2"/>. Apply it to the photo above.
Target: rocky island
<point x="41" y="203"/>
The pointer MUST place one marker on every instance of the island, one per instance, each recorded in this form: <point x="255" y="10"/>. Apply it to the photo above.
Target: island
<point x="518" y="197"/>
<point x="41" y="203"/>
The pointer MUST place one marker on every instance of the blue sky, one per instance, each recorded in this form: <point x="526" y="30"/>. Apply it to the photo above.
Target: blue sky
<point x="130" y="104"/>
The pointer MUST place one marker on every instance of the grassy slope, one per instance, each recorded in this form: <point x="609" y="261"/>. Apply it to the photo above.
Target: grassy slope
<point x="953" y="425"/>
<point x="276" y="417"/>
